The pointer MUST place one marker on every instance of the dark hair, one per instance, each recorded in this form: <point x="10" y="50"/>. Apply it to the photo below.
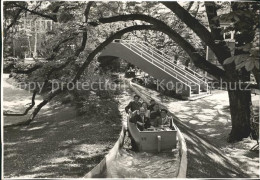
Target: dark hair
<point x="164" y="110"/>
<point x="152" y="100"/>
<point x="136" y="96"/>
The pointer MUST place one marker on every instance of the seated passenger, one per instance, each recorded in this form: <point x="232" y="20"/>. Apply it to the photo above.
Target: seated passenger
<point x="133" y="105"/>
<point x="147" y="112"/>
<point x="155" y="112"/>
<point x="156" y="122"/>
<point x="152" y="103"/>
<point x="141" y="120"/>
<point x="166" y="120"/>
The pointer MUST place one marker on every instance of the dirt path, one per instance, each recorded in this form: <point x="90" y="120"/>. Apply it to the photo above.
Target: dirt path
<point x="205" y="124"/>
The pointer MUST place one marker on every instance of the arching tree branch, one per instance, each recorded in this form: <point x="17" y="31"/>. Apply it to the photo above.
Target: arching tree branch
<point x="198" y="60"/>
<point x="221" y="50"/>
<point x="118" y="34"/>
<point x="90" y="57"/>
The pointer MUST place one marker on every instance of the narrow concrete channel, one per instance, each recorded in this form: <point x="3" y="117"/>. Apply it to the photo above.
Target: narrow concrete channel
<point x="130" y="164"/>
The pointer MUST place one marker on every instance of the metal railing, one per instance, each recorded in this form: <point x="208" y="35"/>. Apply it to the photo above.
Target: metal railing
<point x="168" y="57"/>
<point x="167" y="69"/>
<point x="165" y="66"/>
<point x="185" y="72"/>
<point x="165" y="57"/>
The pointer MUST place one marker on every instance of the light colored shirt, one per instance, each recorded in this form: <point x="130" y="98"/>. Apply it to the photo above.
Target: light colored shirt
<point x="166" y="120"/>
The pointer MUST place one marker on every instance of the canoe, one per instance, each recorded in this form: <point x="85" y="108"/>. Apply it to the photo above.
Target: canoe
<point x="153" y="140"/>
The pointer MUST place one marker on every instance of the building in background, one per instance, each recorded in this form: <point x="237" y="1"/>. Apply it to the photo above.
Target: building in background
<point x="29" y="35"/>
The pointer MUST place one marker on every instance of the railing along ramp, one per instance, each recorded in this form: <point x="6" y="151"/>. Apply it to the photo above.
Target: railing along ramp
<point x="179" y="78"/>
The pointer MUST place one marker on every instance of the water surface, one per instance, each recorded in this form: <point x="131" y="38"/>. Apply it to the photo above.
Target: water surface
<point x="130" y="164"/>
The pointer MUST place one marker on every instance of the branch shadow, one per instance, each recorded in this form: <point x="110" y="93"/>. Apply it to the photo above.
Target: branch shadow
<point x="59" y="143"/>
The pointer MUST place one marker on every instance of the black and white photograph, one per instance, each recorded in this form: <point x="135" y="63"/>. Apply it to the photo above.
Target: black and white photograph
<point x="130" y="89"/>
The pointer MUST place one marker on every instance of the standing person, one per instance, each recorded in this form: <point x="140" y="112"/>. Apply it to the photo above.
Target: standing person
<point x="152" y="103"/>
<point x="133" y="105"/>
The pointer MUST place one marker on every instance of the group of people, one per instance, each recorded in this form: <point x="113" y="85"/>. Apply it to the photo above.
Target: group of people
<point x="146" y="116"/>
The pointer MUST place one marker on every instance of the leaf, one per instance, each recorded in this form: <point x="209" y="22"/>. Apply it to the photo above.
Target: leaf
<point x="241" y="58"/>
<point x="246" y="47"/>
<point x="229" y="60"/>
<point x="239" y="66"/>
<point x="249" y="65"/>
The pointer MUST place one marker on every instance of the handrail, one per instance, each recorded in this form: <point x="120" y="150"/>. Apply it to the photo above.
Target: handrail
<point x="168" y="67"/>
<point x="157" y="66"/>
<point x="169" y="72"/>
<point x="187" y="72"/>
<point x="175" y="66"/>
<point x="159" y="62"/>
<point x="147" y="44"/>
<point x="155" y="49"/>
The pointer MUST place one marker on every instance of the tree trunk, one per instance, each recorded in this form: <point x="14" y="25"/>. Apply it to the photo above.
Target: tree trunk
<point x="256" y="74"/>
<point x="240" y="101"/>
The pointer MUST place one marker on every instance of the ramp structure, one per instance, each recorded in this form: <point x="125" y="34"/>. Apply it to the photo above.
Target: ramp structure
<point x="179" y="78"/>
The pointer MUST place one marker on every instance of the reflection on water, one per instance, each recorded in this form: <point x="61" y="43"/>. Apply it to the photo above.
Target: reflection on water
<point x="131" y="164"/>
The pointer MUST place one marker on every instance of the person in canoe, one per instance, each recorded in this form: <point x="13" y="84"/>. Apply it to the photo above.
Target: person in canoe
<point x="155" y="112"/>
<point x="145" y="106"/>
<point x="141" y="120"/>
<point x="155" y="116"/>
<point x="165" y="119"/>
<point x="147" y="111"/>
<point x="156" y="122"/>
<point x="133" y="105"/>
<point x="152" y="103"/>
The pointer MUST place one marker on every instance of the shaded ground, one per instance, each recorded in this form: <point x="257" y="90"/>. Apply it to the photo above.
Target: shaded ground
<point x="205" y="124"/>
<point x="59" y="143"/>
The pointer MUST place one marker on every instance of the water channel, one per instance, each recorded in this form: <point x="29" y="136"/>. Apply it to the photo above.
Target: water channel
<point x="130" y="164"/>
